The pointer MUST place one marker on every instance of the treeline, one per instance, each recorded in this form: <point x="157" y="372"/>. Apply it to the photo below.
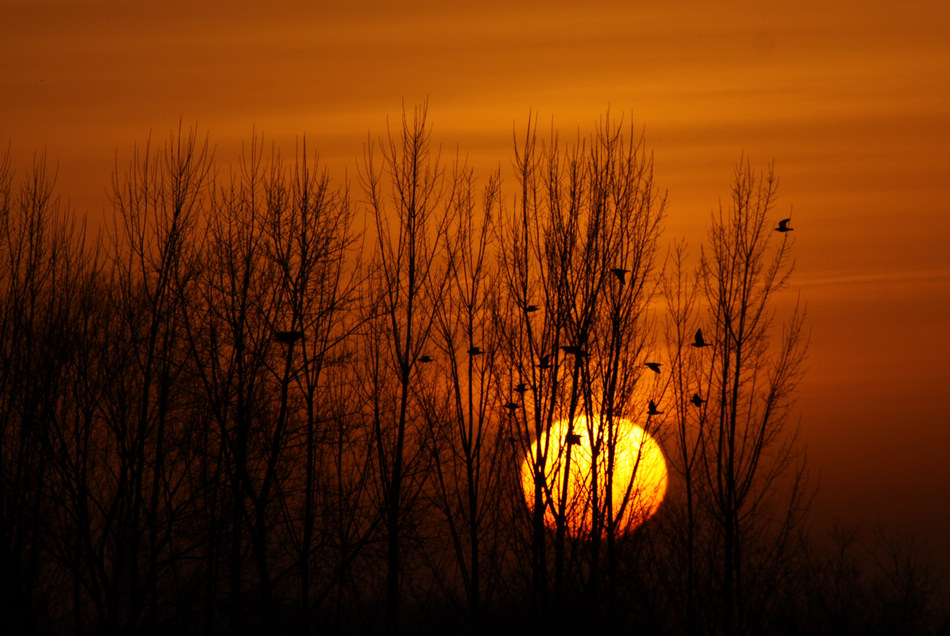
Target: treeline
<point x="266" y="401"/>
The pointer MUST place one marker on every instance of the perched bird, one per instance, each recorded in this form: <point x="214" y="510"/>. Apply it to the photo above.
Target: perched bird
<point x="521" y="387"/>
<point x="620" y="273"/>
<point x="698" y="401"/>
<point x="574" y="351"/>
<point x="286" y="337"/>
<point x="572" y="438"/>
<point x="425" y="358"/>
<point x="652" y="409"/>
<point x="653" y="366"/>
<point x="511" y="406"/>
<point x="698" y="340"/>
<point x="475" y="351"/>
<point x="783" y="226"/>
<point x="530" y="308"/>
<point x="544" y="362"/>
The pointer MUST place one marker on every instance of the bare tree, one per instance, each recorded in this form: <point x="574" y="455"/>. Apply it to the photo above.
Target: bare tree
<point x="44" y="277"/>
<point x="853" y="583"/>
<point x="158" y="202"/>
<point x="687" y="385"/>
<point x="310" y="239"/>
<point x="231" y="337"/>
<point x="733" y="398"/>
<point x="464" y="406"/>
<point x="407" y="194"/>
<point x="579" y="259"/>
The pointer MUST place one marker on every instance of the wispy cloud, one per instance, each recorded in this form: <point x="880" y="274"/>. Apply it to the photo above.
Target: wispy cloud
<point x="874" y="278"/>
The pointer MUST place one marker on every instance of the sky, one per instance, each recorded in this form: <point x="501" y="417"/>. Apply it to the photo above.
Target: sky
<point x="850" y="100"/>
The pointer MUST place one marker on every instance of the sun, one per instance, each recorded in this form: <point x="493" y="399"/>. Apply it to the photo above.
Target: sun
<point x="637" y="487"/>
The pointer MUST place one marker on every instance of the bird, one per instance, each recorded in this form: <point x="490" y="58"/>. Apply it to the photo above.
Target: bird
<point x="287" y="337"/>
<point x="620" y="273"/>
<point x="698" y="339"/>
<point x="530" y="308"/>
<point x="653" y="366"/>
<point x="652" y="409"/>
<point x="544" y="362"/>
<point x="572" y="438"/>
<point x="425" y="358"/>
<point x="475" y="351"/>
<point x="521" y="387"/>
<point x="698" y="401"/>
<point x="574" y="351"/>
<point x="783" y="226"/>
<point x="511" y="406"/>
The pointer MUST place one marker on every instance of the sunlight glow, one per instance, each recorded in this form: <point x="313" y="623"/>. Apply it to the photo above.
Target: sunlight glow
<point x="636" y="490"/>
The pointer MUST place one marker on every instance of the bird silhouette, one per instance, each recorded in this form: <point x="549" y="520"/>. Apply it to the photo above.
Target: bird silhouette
<point x="572" y="438"/>
<point x="652" y="409"/>
<point x="520" y="387"/>
<point x="698" y="401"/>
<point x="783" y="226"/>
<point x="653" y="366"/>
<point x="620" y="273"/>
<point x="698" y="339"/>
<point x="544" y="362"/>
<point x="475" y="351"/>
<point x="530" y="308"/>
<point x="425" y="358"/>
<point x="286" y="337"/>
<point x="574" y="351"/>
<point x="511" y="406"/>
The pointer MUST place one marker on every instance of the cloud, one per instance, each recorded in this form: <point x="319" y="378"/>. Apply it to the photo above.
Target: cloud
<point x="874" y="278"/>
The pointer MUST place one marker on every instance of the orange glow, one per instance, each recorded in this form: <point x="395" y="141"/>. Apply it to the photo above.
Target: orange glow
<point x="639" y="476"/>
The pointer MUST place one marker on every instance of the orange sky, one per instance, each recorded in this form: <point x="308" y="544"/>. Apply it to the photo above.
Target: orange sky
<point x="851" y="100"/>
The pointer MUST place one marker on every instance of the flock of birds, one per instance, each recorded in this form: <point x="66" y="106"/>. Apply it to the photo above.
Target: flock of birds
<point x="544" y="362"/>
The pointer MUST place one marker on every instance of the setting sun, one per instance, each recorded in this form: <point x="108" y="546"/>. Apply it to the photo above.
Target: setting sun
<point x="639" y="475"/>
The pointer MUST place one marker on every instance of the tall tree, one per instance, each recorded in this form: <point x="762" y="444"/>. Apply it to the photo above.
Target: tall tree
<point x="408" y="196"/>
<point x="579" y="265"/>
<point x="734" y="444"/>
<point x="309" y="238"/>
<point x="158" y="202"/>
<point x="44" y="275"/>
<point x="464" y="405"/>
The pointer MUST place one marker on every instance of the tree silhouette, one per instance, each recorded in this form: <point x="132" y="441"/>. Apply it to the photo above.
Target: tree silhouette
<point x="467" y="444"/>
<point x="745" y="489"/>
<point x="581" y="249"/>
<point x="409" y="201"/>
<point x="242" y="413"/>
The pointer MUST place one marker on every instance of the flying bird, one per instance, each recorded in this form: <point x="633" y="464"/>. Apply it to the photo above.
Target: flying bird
<point x="783" y="226"/>
<point x="544" y="362"/>
<point x="511" y="406"/>
<point x="530" y="308"/>
<point x="572" y="438"/>
<point x="698" y="401"/>
<point x="425" y="358"/>
<point x="574" y="351"/>
<point x="620" y="273"/>
<point x="652" y="409"/>
<point x="653" y="366"/>
<point x="521" y="387"/>
<point x="287" y="337"/>
<point x="475" y="351"/>
<point x="698" y="339"/>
